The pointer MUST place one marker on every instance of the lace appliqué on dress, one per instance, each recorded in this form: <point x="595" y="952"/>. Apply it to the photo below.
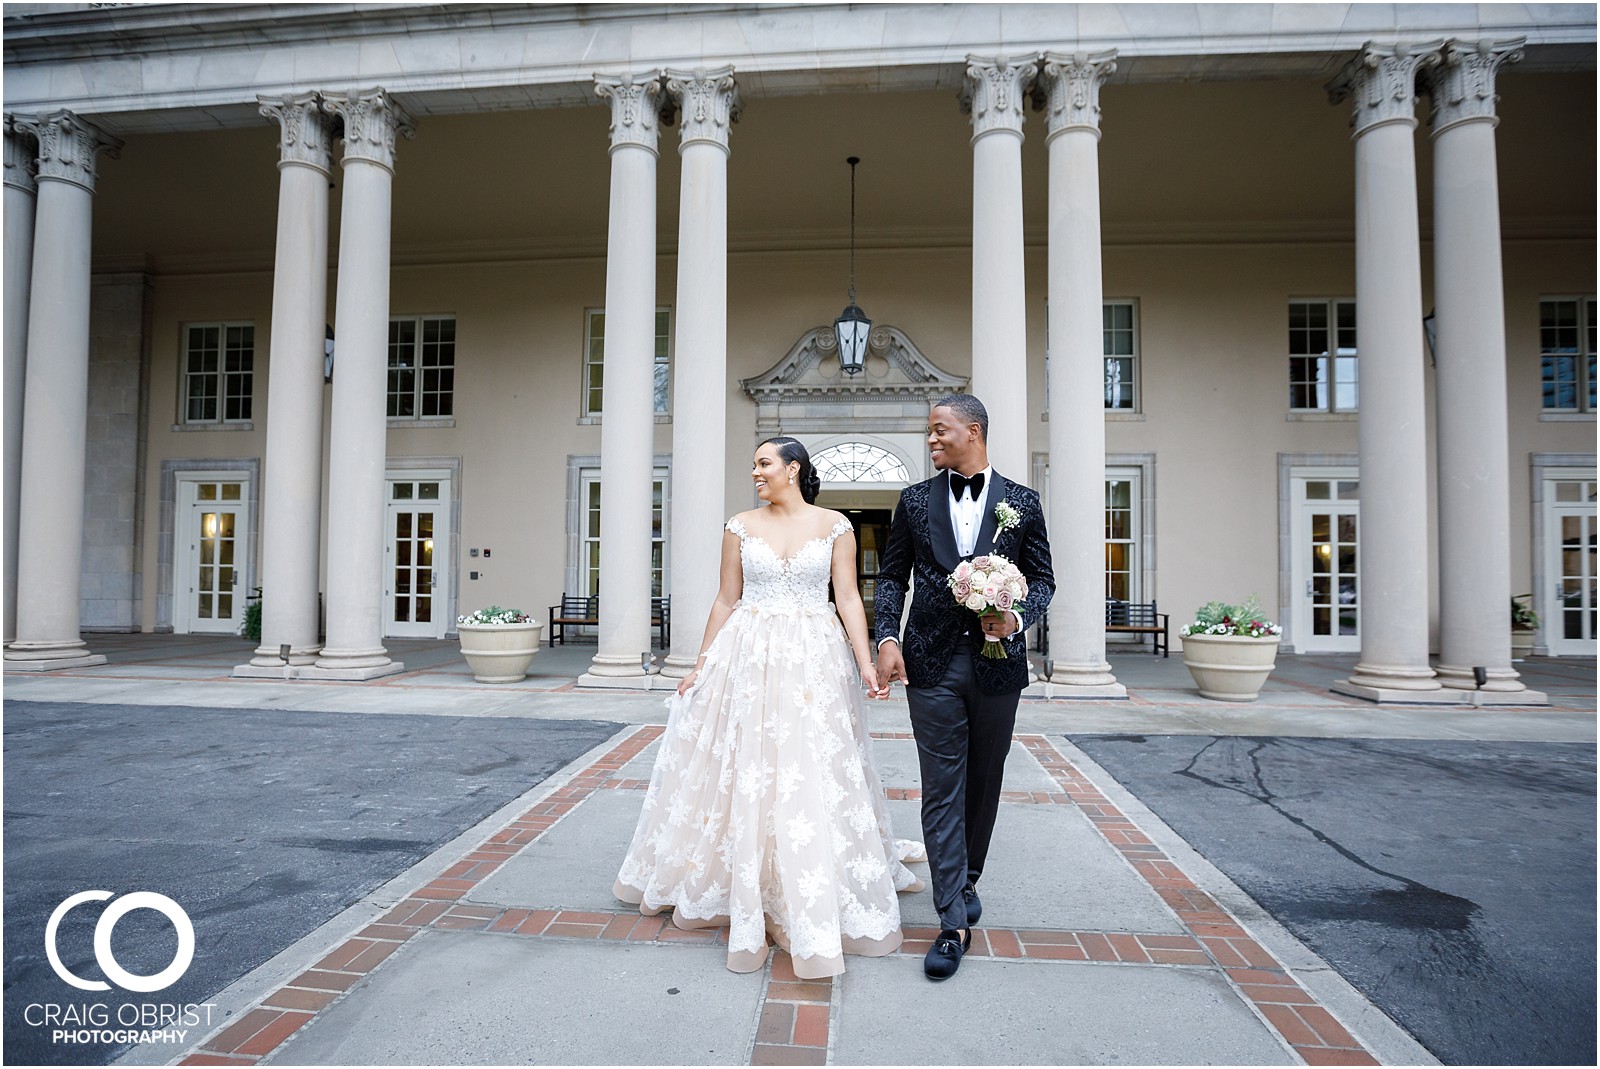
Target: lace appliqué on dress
<point x="765" y="811"/>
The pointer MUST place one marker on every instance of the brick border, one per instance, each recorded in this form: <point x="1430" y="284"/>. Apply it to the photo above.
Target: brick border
<point x="1260" y="979"/>
<point x="265" y="1026"/>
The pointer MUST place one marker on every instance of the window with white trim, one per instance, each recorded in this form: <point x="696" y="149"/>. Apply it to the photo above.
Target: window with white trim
<point x="422" y="367"/>
<point x="589" y="489"/>
<point x="594" y="356"/>
<point x="1566" y="353"/>
<point x="218" y="372"/>
<point x="1121" y="348"/>
<point x="1323" y="373"/>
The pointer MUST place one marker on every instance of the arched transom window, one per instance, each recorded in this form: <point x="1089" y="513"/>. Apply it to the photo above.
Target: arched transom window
<point x="858" y="462"/>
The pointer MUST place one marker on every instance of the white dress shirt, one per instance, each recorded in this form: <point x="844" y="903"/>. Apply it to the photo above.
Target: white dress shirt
<point x="966" y="515"/>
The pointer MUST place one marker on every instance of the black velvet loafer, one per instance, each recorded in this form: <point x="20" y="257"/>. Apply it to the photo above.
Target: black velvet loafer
<point x="944" y="957"/>
<point x="974" y="906"/>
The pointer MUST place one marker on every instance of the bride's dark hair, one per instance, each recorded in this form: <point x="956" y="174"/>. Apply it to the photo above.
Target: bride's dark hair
<point x="792" y="451"/>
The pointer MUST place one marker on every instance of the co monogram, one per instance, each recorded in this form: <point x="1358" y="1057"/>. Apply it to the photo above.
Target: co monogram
<point x="102" y="941"/>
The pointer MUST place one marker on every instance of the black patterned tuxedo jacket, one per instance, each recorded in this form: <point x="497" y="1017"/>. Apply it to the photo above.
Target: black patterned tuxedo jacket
<point x="923" y="543"/>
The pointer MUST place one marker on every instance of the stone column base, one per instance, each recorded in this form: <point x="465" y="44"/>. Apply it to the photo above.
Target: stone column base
<point x="50" y="657"/>
<point x="1080" y="675"/>
<point x="1500" y="679"/>
<point x="1399" y="696"/>
<point x="676" y="667"/>
<point x="1055" y="690"/>
<point x="637" y="681"/>
<point x="267" y="657"/>
<point x="351" y="673"/>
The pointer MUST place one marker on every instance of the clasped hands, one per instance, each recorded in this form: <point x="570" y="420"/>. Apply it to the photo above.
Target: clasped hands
<point x="891" y="666"/>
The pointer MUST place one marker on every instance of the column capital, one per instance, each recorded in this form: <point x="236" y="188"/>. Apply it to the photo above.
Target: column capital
<point x="372" y="119"/>
<point x="995" y="91"/>
<point x="304" y="134"/>
<point x="1460" y="86"/>
<point x="1381" y="81"/>
<point x="68" y="147"/>
<point x="708" y="102"/>
<point x="635" y="109"/>
<point x="1072" y="85"/>
<point x="22" y="162"/>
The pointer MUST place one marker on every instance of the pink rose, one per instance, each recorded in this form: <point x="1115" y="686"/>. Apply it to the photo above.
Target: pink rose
<point x="990" y="592"/>
<point x="962" y="589"/>
<point x="1003" y="600"/>
<point x="963" y="571"/>
<point x="981" y="563"/>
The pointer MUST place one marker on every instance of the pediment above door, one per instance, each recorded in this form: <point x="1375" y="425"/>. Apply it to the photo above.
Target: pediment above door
<point x="807" y="391"/>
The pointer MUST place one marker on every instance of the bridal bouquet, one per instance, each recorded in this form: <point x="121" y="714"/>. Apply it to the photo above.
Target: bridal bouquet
<point x="989" y="585"/>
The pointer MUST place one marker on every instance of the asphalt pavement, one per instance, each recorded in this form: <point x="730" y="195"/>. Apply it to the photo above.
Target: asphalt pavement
<point x="260" y="824"/>
<point x="1452" y="882"/>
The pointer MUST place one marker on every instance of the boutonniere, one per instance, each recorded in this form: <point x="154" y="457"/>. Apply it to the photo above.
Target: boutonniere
<point x="1006" y="517"/>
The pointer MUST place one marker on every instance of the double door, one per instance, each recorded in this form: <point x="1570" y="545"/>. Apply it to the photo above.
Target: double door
<point x="1569" y="605"/>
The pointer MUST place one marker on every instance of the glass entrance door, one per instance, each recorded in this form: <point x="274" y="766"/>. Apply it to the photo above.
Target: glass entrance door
<point x="872" y="535"/>
<point x="1569" y="612"/>
<point x="415" y="558"/>
<point x="1326" y="569"/>
<point x="210" y="593"/>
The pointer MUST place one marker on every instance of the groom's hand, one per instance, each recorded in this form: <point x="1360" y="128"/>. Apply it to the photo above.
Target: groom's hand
<point x="891" y="666"/>
<point x="999" y="625"/>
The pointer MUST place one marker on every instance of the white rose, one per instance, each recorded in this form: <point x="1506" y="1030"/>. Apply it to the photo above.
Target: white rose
<point x="975" y="602"/>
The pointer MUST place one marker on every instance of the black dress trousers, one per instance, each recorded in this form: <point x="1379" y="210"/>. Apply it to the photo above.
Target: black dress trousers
<point x="963" y="736"/>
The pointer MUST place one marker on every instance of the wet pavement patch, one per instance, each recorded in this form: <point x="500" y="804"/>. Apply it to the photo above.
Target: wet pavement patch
<point x="260" y="824"/>
<point x="1453" y="883"/>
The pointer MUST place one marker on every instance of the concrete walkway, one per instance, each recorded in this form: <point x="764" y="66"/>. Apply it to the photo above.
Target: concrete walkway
<point x="1106" y="938"/>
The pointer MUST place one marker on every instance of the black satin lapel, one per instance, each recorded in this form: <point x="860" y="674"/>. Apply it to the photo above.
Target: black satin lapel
<point x="986" y="527"/>
<point x="942" y="536"/>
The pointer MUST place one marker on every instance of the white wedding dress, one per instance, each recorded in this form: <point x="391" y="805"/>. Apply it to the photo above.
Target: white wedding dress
<point x="764" y="811"/>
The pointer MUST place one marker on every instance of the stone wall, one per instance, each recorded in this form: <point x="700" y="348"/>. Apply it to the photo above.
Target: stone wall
<point x="113" y="498"/>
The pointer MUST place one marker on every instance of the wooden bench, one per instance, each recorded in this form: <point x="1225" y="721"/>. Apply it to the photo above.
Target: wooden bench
<point x="578" y="610"/>
<point x="1125" y="618"/>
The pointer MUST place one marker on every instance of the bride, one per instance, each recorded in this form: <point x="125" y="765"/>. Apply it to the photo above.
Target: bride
<point x="764" y="811"/>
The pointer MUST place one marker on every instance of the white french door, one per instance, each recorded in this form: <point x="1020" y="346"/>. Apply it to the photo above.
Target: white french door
<point x="416" y="555"/>
<point x="1325" y="569"/>
<point x="209" y="561"/>
<point x="1568" y="606"/>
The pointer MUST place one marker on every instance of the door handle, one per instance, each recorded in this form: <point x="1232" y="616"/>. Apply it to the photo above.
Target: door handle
<point x="1308" y="588"/>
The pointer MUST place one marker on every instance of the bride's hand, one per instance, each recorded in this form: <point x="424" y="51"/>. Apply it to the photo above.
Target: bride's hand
<point x="688" y="681"/>
<point x="869" y="676"/>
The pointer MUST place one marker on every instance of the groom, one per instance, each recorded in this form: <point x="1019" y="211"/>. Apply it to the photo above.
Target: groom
<point x="963" y="704"/>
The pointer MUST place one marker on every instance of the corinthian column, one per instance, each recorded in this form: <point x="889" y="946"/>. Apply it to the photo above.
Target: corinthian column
<point x="1469" y="302"/>
<point x="358" y="443"/>
<point x="628" y="420"/>
<point x="709" y="104"/>
<point x="21" y="194"/>
<point x="1077" y="370"/>
<point x="994" y="94"/>
<point x="1392" y="435"/>
<point x="56" y="398"/>
<point x="291" y="498"/>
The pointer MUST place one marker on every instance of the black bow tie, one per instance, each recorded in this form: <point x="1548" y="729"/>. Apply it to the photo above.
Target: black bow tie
<point x="959" y="484"/>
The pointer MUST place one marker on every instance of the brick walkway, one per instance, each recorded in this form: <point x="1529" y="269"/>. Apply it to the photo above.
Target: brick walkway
<point x="795" y="1022"/>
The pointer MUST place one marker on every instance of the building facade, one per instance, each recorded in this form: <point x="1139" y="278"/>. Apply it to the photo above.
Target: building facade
<point x="395" y="311"/>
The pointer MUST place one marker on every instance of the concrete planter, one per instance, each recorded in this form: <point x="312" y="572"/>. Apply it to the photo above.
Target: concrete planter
<point x="1521" y="643"/>
<point x="499" y="653"/>
<point x="1230" y="668"/>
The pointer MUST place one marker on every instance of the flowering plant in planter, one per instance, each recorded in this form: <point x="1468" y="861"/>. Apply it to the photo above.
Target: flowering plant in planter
<point x="1220" y="618"/>
<point x="1523" y="618"/>
<point x="494" y="614"/>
